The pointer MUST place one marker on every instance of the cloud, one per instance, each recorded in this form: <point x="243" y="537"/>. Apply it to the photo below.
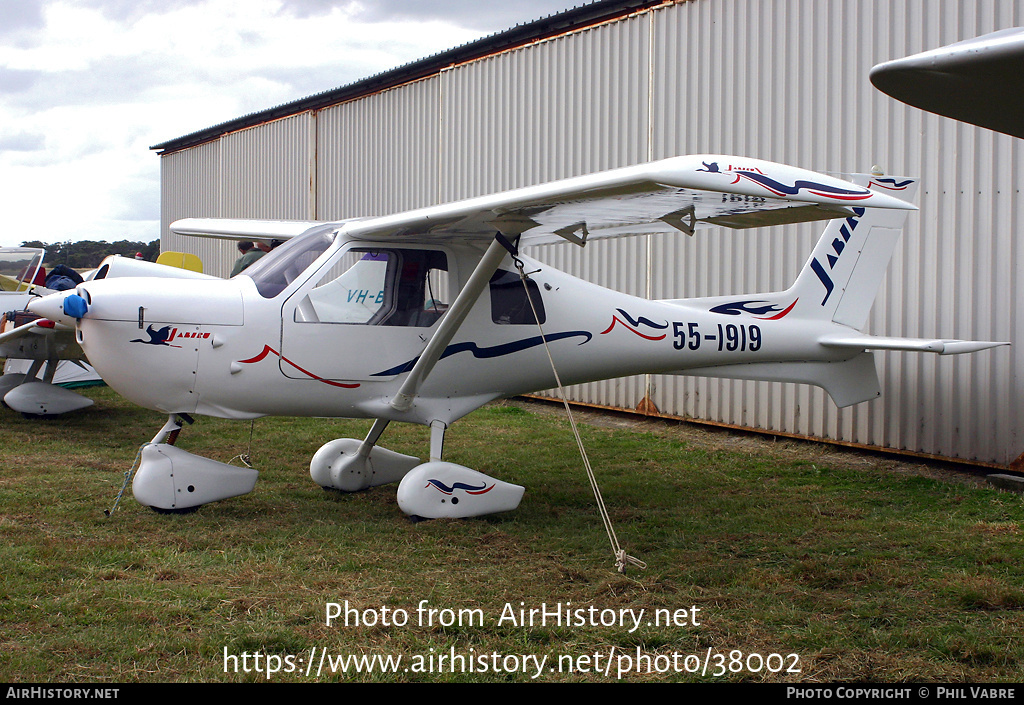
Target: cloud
<point x="21" y="142"/>
<point x="20" y="16"/>
<point x="132" y="10"/>
<point x="485" y="16"/>
<point x="87" y="86"/>
<point x="134" y="202"/>
<point x="306" y="9"/>
<point x="13" y="81"/>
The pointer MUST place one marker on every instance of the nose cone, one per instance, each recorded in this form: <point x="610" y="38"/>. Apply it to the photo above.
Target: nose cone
<point x="64" y="307"/>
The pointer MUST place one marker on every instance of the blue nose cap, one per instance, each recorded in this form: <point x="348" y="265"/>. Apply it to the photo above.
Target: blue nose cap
<point x="75" y="306"/>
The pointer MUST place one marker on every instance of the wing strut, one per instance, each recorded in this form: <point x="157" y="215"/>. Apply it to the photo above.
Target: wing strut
<point x="450" y="324"/>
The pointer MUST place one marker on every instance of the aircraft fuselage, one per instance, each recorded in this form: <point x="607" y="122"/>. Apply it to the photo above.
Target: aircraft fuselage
<point x="222" y="348"/>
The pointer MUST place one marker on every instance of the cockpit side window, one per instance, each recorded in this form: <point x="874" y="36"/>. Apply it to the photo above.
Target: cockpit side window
<point x="388" y="287"/>
<point x="20" y="268"/>
<point x="420" y="289"/>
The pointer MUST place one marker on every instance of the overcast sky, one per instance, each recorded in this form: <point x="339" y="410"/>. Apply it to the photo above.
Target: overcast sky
<point x="88" y="86"/>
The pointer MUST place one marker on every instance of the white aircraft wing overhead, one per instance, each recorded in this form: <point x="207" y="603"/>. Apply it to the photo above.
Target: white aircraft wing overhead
<point x="672" y="195"/>
<point x="241" y="228"/>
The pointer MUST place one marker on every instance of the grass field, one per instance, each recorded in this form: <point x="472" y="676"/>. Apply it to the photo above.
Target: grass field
<point x="770" y="561"/>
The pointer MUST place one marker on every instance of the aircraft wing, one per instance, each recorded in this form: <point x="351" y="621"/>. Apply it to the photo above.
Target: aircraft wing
<point x="19" y="331"/>
<point x="242" y="229"/>
<point x="23" y="341"/>
<point x="679" y="194"/>
<point x="978" y="81"/>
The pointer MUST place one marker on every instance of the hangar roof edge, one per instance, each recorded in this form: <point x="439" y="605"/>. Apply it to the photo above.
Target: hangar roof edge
<point x="552" y="25"/>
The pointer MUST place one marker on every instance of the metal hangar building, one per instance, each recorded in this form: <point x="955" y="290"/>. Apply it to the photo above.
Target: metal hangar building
<point x="619" y="82"/>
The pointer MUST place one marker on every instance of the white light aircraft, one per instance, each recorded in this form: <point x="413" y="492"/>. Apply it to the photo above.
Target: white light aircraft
<point x="426" y="315"/>
<point x="45" y="344"/>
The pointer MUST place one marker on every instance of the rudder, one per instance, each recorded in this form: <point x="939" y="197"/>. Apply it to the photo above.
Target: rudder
<point x="840" y="280"/>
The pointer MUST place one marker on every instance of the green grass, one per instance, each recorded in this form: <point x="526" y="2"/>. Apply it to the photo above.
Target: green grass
<point x="867" y="568"/>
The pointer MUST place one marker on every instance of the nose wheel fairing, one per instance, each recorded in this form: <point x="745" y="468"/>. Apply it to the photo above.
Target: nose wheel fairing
<point x="172" y="479"/>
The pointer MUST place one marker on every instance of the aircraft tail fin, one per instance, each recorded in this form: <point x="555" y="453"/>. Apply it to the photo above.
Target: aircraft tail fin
<point x="838" y="284"/>
<point x="841" y="278"/>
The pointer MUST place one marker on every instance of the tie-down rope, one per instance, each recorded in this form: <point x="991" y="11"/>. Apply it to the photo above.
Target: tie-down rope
<point x="622" y="559"/>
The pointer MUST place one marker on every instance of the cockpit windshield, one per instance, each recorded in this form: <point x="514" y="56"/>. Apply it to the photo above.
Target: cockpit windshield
<point x="20" y="267"/>
<point x="276" y="270"/>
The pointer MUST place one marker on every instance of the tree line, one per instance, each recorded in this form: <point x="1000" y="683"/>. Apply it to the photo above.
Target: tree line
<point x="87" y="254"/>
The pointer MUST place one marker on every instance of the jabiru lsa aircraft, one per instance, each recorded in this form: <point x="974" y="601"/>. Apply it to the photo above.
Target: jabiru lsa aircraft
<point x="426" y="315"/>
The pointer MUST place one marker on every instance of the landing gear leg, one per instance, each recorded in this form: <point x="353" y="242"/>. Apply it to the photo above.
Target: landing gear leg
<point x="437" y="429"/>
<point x="50" y="371"/>
<point x="350" y="465"/>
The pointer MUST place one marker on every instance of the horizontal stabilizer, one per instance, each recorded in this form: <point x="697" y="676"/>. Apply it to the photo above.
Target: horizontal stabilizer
<point x="942" y="347"/>
<point x="847" y="382"/>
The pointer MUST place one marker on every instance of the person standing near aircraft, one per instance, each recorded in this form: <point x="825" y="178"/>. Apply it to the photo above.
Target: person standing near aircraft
<point x="249" y="255"/>
<point x="264" y="246"/>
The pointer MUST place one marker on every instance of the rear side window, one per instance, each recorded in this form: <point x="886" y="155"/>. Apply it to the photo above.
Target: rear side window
<point x="509" y="305"/>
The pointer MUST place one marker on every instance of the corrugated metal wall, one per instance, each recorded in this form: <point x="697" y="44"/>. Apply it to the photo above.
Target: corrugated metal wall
<point x="568" y="106"/>
<point x="785" y="80"/>
<point x="380" y="154"/>
<point x="267" y="172"/>
<point x="190" y="185"/>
